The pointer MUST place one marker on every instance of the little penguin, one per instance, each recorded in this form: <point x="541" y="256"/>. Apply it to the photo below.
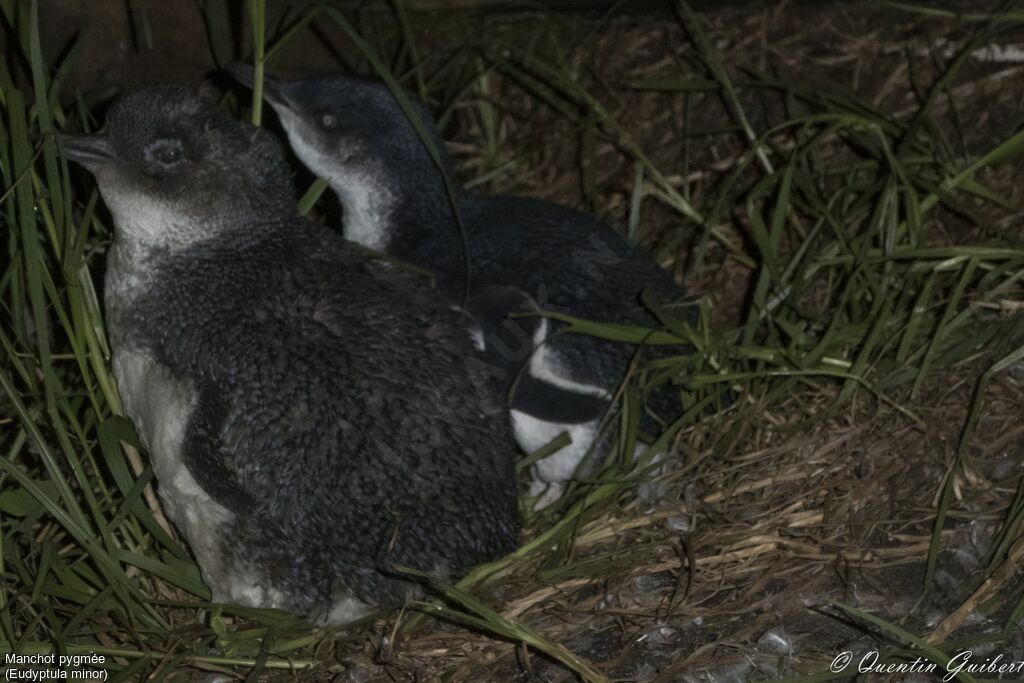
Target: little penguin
<point x="310" y="413"/>
<point x="522" y="254"/>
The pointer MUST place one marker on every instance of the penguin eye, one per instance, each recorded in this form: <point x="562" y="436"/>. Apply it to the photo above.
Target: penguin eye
<point x="327" y="120"/>
<point x="165" y="152"/>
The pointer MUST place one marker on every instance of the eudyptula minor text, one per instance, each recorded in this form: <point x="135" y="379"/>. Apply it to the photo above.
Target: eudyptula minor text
<point x="308" y="411"/>
<point x="522" y="254"/>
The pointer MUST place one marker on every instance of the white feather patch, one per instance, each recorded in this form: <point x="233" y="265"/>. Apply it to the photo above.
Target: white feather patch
<point x="161" y="408"/>
<point x="366" y="199"/>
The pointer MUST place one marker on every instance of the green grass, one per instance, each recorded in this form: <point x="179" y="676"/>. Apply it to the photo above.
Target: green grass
<point x="833" y="208"/>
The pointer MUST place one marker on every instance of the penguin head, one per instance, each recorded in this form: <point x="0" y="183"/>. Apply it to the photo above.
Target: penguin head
<point x="346" y="129"/>
<point x="172" y="167"/>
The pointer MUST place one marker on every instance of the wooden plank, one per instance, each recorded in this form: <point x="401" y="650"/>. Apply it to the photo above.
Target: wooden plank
<point x="621" y="6"/>
<point x="624" y="6"/>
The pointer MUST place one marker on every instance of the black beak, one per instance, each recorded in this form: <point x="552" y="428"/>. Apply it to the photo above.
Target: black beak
<point x="272" y="89"/>
<point x="91" y="151"/>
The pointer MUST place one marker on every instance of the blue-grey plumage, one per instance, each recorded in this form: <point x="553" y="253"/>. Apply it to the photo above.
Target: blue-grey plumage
<point x="314" y="417"/>
<point x="521" y="254"/>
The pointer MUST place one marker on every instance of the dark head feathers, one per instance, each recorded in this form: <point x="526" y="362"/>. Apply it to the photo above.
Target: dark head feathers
<point x="147" y="114"/>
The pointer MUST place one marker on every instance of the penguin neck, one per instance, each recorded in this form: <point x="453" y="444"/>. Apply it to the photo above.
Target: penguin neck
<point x="402" y="209"/>
<point x="370" y="201"/>
<point x="145" y="241"/>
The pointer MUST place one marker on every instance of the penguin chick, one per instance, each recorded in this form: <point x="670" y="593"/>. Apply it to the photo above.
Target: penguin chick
<point x="310" y="414"/>
<point x="354" y="133"/>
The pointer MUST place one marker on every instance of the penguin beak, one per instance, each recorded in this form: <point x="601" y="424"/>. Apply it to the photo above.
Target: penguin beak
<point x="272" y="89"/>
<point x="91" y="151"/>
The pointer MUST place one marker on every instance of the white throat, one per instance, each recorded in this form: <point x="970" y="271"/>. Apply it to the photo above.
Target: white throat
<point x="146" y="230"/>
<point x="144" y="223"/>
<point x="367" y="199"/>
<point x="367" y="204"/>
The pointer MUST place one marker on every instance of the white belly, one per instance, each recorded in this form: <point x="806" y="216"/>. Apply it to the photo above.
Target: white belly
<point x="161" y="408"/>
<point x="532" y="433"/>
